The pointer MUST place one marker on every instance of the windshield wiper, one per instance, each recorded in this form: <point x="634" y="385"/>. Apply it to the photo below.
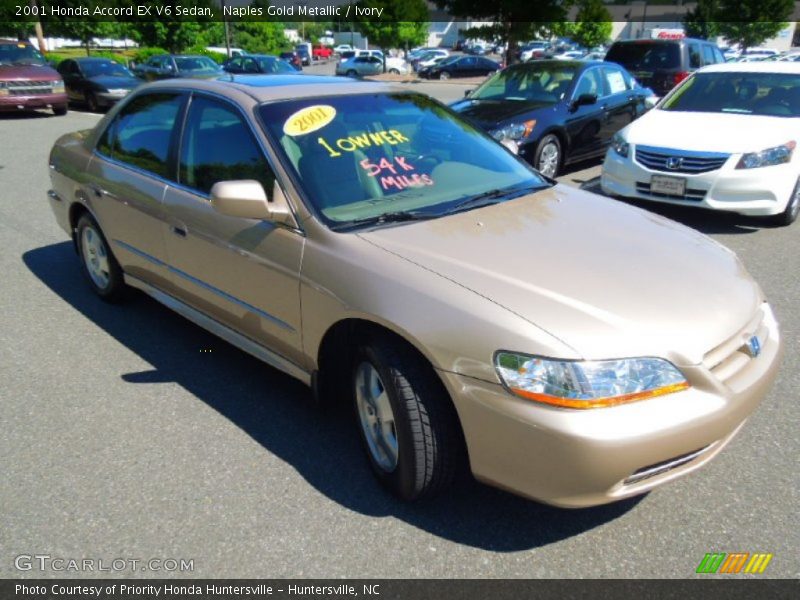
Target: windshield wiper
<point x="387" y="217"/>
<point x="492" y="197"/>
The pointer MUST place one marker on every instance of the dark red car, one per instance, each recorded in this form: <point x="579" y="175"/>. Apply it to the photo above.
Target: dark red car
<point x="26" y="81"/>
<point x="320" y="52"/>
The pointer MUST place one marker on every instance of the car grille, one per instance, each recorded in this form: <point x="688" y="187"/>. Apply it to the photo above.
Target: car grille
<point x="733" y="355"/>
<point x="692" y="195"/>
<point x="29" y="88"/>
<point x="679" y="161"/>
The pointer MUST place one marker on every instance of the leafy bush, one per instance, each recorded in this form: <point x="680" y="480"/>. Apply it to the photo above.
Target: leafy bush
<point x="217" y="57"/>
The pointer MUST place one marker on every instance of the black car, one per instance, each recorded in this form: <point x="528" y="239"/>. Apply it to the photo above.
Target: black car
<point x="293" y="59"/>
<point x="165" y="66"/>
<point x="663" y="64"/>
<point x="96" y="82"/>
<point x="305" y="57"/>
<point x="258" y="63"/>
<point x="557" y="111"/>
<point x="460" y="66"/>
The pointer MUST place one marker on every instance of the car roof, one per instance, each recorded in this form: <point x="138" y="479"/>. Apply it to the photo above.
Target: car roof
<point x="279" y="87"/>
<point x="754" y="67"/>
<point x="86" y="59"/>
<point x="579" y="64"/>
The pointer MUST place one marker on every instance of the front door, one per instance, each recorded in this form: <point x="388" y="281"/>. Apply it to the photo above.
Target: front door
<point x="243" y="273"/>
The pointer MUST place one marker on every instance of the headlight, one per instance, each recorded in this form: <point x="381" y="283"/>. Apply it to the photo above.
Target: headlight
<point x="514" y="131"/>
<point x="58" y="87"/>
<point x="766" y="158"/>
<point x="587" y="384"/>
<point x="619" y="145"/>
<point x="119" y="91"/>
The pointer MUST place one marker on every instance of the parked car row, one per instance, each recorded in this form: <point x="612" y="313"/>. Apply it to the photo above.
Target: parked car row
<point x="476" y="315"/>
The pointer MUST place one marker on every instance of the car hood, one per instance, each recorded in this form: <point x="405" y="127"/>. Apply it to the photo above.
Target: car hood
<point x="689" y="131"/>
<point x="28" y="72"/>
<point x="607" y="279"/>
<point x="113" y="82"/>
<point x="490" y="113"/>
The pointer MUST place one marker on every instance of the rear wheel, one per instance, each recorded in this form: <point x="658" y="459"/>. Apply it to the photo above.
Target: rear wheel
<point x="99" y="265"/>
<point x="792" y="210"/>
<point x="60" y="111"/>
<point x="407" y="424"/>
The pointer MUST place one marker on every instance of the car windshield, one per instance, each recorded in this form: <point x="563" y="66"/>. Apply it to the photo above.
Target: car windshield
<point x="196" y="63"/>
<point x="646" y="55"/>
<point x="449" y="60"/>
<point x="529" y="82"/>
<point x="368" y="156"/>
<point x="20" y="54"/>
<point x="104" y="68"/>
<point x="273" y="65"/>
<point x="769" y="94"/>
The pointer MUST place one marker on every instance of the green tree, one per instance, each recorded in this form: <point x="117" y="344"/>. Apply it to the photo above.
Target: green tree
<point x="259" y="37"/>
<point x="514" y="21"/>
<point x="700" y="21"/>
<point x="760" y="20"/>
<point x="592" y="26"/>
<point x="403" y="23"/>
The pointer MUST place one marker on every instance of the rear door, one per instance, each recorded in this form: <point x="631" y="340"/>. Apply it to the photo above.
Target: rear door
<point x="132" y="161"/>
<point x="243" y="273"/>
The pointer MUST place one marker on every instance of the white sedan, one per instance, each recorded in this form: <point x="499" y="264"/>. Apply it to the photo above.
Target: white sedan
<point x="726" y="138"/>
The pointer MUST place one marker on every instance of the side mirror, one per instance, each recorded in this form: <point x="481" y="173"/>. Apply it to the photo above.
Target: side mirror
<point x="584" y="100"/>
<point x="246" y="199"/>
<point x="467" y="93"/>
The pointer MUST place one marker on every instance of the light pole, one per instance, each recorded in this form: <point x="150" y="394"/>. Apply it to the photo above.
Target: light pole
<point x="226" y="25"/>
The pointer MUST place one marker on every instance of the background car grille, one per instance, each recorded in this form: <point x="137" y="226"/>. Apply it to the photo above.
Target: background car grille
<point x="690" y="195"/>
<point x="689" y="162"/>
<point x="29" y="88"/>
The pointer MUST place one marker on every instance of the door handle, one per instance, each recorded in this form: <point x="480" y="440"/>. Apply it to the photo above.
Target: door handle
<point x="179" y="231"/>
<point x="97" y="191"/>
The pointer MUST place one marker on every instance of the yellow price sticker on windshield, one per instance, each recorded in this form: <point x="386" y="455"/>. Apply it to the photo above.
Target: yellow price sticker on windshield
<point x="308" y="119"/>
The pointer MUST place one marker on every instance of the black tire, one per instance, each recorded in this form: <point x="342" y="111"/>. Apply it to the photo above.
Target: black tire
<point x="114" y="288"/>
<point x="351" y="73"/>
<point x="792" y="210"/>
<point x="542" y="159"/>
<point x="60" y="111"/>
<point x="394" y="71"/>
<point x="430" y="448"/>
<point x="91" y="102"/>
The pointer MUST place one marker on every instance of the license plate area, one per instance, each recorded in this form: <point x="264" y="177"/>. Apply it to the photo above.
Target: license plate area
<point x="670" y="186"/>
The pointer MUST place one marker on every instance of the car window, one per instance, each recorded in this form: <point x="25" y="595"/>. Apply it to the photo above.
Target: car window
<point x="155" y="61"/>
<point x="708" y="55"/>
<point x="719" y="56"/>
<point x="645" y="55"/>
<point x="235" y="63"/>
<point x="250" y="66"/>
<point x="218" y="146"/>
<point x="361" y="155"/>
<point x="468" y="62"/>
<point x="616" y="81"/>
<point x="590" y="83"/>
<point x="140" y="134"/>
<point x="695" y="62"/>
<point x="537" y="81"/>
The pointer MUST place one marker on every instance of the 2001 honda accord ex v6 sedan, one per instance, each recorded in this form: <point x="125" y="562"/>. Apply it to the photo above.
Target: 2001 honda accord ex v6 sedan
<point x="368" y="242"/>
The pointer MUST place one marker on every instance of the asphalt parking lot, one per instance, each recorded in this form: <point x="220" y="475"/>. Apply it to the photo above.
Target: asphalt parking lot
<point x="129" y="432"/>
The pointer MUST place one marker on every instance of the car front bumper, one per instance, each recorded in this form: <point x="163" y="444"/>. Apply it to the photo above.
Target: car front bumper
<point x="578" y="458"/>
<point x="755" y="192"/>
<point x="110" y="98"/>
<point x="9" y="103"/>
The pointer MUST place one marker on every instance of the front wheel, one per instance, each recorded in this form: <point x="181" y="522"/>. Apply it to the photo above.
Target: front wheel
<point x="547" y="157"/>
<point x="60" y="111"/>
<point x="407" y="423"/>
<point x="351" y="73"/>
<point x="91" y="102"/>
<point x="792" y="210"/>
<point x="99" y="265"/>
<point x="444" y="76"/>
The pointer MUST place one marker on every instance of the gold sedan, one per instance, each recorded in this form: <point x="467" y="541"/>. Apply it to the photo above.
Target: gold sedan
<point x="370" y="243"/>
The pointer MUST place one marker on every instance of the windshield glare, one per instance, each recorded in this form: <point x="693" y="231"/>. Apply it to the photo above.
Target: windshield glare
<point x="361" y="156"/>
<point x="20" y="54"/>
<point x="529" y="82"/>
<point x="196" y="63"/>
<point x="768" y="94"/>
<point x="104" y="68"/>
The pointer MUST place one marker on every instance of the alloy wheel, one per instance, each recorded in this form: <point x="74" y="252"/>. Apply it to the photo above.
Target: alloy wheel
<point x="95" y="257"/>
<point x="376" y="416"/>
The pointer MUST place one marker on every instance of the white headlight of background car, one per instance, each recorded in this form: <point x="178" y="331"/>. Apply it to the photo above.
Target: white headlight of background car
<point x="58" y="87"/>
<point x="771" y="156"/>
<point x="619" y="145"/>
<point x="514" y="131"/>
<point x="587" y="384"/>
